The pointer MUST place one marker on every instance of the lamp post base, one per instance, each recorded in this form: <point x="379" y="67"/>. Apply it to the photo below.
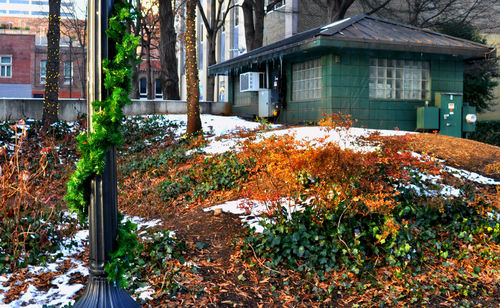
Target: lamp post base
<point x="102" y="294"/>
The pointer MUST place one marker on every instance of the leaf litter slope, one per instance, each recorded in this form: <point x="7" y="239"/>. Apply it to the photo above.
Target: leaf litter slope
<point x="214" y="273"/>
<point x="221" y="278"/>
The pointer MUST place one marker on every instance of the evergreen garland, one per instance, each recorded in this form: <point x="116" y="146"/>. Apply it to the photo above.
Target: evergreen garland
<point x="107" y="132"/>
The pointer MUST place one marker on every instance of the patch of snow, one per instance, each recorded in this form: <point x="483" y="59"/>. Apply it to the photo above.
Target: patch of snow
<point x="62" y="293"/>
<point x="143" y="223"/>
<point x="212" y="124"/>
<point x="333" y="24"/>
<point x="145" y="293"/>
<point x="346" y="139"/>
<point x="471" y="176"/>
<point x="257" y="208"/>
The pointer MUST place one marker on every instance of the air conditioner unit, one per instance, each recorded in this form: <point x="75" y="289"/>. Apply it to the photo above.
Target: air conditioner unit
<point x="252" y="81"/>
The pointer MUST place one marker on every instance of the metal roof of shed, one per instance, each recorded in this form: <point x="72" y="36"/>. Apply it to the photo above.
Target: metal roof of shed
<point x="361" y="31"/>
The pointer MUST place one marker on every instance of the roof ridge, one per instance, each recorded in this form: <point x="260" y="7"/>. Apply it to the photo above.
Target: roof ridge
<point x="425" y="30"/>
<point x="340" y="25"/>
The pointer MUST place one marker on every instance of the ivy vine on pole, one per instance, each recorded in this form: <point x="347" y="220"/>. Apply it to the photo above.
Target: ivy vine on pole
<point x="106" y="133"/>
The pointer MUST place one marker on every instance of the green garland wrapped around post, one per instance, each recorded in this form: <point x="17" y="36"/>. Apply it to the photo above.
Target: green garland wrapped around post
<point x="107" y="132"/>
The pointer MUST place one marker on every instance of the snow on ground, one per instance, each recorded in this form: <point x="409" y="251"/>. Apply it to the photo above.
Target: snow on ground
<point x="345" y="138"/>
<point x="62" y="293"/>
<point x="250" y="211"/>
<point x="211" y="124"/>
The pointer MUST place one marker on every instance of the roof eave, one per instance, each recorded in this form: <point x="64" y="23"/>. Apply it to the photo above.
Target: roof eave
<point x="227" y="66"/>
<point x="467" y="52"/>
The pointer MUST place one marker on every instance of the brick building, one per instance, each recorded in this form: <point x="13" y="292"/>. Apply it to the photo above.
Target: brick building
<point x="16" y="56"/>
<point x="22" y="67"/>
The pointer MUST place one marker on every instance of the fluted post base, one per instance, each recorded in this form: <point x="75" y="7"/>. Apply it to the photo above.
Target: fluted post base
<point x="102" y="294"/>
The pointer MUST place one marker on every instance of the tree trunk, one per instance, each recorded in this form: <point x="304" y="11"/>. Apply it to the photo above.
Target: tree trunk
<point x="211" y="60"/>
<point x="253" y="15"/>
<point x="51" y="103"/>
<point x="149" y="79"/>
<point x="337" y="9"/>
<point x="192" y="83"/>
<point x="259" y="24"/>
<point x="168" y="38"/>
<point x="135" y="66"/>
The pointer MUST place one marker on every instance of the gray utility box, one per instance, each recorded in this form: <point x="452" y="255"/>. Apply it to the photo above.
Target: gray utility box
<point x="266" y="107"/>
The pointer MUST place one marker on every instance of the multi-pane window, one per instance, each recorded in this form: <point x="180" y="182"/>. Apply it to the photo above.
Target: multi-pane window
<point x="143" y="89"/>
<point x="68" y="72"/>
<point x="306" y="80"/>
<point x="6" y="66"/>
<point x="43" y="71"/>
<point x="399" y="79"/>
<point x="158" y="89"/>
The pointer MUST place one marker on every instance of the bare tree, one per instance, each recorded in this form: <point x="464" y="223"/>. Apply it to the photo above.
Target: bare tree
<point x="76" y="30"/>
<point x="135" y="28"/>
<point x="51" y="102"/>
<point x="149" y="38"/>
<point x="335" y="9"/>
<point x="192" y="82"/>
<point x="253" y="14"/>
<point x="168" y="39"/>
<point x="432" y="13"/>
<point x="213" y="23"/>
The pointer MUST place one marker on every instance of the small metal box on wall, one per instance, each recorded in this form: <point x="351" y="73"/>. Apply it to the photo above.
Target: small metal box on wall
<point x="450" y="116"/>
<point x="427" y="118"/>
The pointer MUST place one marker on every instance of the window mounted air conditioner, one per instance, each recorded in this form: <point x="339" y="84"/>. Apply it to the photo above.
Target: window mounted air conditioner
<point x="252" y="81"/>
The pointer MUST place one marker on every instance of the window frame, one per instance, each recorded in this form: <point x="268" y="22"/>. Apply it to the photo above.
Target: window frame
<point x="43" y="78"/>
<point x="307" y="80"/>
<point x="68" y="80"/>
<point x="399" y="79"/>
<point x="143" y="94"/>
<point x="160" y="93"/>
<point x="4" y="67"/>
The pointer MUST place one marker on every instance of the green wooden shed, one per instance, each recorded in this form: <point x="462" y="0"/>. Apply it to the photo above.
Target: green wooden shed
<point x="376" y="70"/>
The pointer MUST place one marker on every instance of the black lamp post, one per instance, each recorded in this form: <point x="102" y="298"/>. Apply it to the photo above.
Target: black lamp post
<point x="103" y="212"/>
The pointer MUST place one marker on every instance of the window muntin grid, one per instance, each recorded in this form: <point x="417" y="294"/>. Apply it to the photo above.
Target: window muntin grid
<point x="306" y="80"/>
<point x="43" y="71"/>
<point x="68" y="72"/>
<point x="6" y="66"/>
<point x="399" y="79"/>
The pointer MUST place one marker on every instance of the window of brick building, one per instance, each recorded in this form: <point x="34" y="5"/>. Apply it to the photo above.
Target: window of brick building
<point x="6" y="66"/>
<point x="143" y="89"/>
<point x="158" y="89"/>
<point x="68" y="72"/>
<point x="43" y="71"/>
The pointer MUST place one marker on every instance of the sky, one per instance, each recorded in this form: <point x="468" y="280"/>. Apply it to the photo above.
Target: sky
<point x="80" y="8"/>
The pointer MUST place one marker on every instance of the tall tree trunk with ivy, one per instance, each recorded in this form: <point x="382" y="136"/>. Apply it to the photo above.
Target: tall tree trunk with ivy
<point x="192" y="81"/>
<point x="51" y="102"/>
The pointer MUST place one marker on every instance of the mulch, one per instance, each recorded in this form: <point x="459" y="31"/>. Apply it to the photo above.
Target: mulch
<point x="461" y="153"/>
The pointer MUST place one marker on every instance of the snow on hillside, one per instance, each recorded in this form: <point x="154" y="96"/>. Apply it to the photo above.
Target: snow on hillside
<point x="216" y="127"/>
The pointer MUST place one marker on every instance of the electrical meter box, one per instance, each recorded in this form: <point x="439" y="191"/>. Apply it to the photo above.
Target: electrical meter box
<point x="427" y="118"/>
<point x="450" y="115"/>
<point x="266" y="107"/>
<point x="469" y="118"/>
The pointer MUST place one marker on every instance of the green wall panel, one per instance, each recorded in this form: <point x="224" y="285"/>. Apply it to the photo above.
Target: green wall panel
<point x="345" y="78"/>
